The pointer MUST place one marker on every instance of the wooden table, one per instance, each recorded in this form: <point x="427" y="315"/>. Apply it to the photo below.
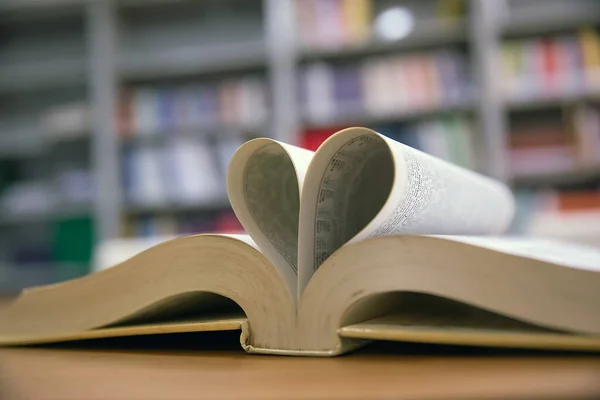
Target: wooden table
<point x="187" y="369"/>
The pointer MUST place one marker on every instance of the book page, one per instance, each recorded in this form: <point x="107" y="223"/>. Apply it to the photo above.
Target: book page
<point x="547" y="250"/>
<point x="362" y="184"/>
<point x="264" y="184"/>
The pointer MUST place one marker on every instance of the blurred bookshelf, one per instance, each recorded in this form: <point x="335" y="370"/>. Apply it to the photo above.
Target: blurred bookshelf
<point x="432" y="34"/>
<point x="576" y="175"/>
<point x="128" y="111"/>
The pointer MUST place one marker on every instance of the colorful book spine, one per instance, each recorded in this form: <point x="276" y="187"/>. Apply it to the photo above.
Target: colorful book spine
<point x="318" y="81"/>
<point x="590" y="45"/>
<point x="384" y="85"/>
<point x="165" y="111"/>
<point x="357" y="17"/>
<point x="306" y="11"/>
<point x="334" y="23"/>
<point x="549" y="67"/>
<point x="347" y="89"/>
<point x="553" y="65"/>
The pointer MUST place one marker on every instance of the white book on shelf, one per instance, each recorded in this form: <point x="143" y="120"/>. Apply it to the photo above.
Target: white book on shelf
<point x="251" y="101"/>
<point x="148" y="187"/>
<point x="145" y="112"/>
<point x="66" y="121"/>
<point x="399" y="83"/>
<point x="319" y="91"/>
<point x="196" y="176"/>
<point x="226" y="148"/>
<point x="380" y="92"/>
<point x="433" y="136"/>
<point x="367" y="76"/>
<point x="465" y="136"/>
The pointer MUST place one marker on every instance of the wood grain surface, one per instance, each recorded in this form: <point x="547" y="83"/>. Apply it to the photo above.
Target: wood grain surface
<point x="185" y="367"/>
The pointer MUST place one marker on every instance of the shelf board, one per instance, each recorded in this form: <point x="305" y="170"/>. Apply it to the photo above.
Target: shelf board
<point x="209" y="133"/>
<point x="551" y="100"/>
<point x="547" y="21"/>
<point x="20" y="146"/>
<point x="44" y="217"/>
<point x="214" y="205"/>
<point x="28" y="146"/>
<point x="365" y="118"/>
<point x="576" y="175"/>
<point x="27" y="5"/>
<point x="190" y="61"/>
<point x="35" y="76"/>
<point x="438" y="33"/>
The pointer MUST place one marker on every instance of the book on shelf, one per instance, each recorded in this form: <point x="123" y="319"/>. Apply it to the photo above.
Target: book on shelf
<point x="66" y="121"/>
<point x="384" y="86"/>
<point x="551" y="144"/>
<point x="584" y="121"/>
<point x="572" y="215"/>
<point x="185" y="171"/>
<point x="590" y="45"/>
<point x="449" y="138"/>
<point x="333" y="23"/>
<point x="338" y="24"/>
<point x="364" y="239"/>
<point x="166" y="111"/>
<point x="563" y="65"/>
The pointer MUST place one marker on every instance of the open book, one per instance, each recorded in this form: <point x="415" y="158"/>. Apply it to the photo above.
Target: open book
<point x="365" y="239"/>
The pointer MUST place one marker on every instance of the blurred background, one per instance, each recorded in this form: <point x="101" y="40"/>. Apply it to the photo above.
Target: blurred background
<point x="118" y="117"/>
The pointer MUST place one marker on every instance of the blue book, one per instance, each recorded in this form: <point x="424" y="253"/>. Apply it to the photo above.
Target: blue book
<point x="166" y="111"/>
<point x="347" y="89"/>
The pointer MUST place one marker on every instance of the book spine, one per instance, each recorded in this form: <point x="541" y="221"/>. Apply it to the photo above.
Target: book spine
<point x="590" y="45"/>
<point x="124" y="113"/>
<point x="319" y="91"/>
<point x="166" y="112"/>
<point x="357" y="16"/>
<point x="228" y="92"/>
<point x="347" y="90"/>
<point x="549" y="68"/>
<point x="399" y="84"/>
<point x="306" y="10"/>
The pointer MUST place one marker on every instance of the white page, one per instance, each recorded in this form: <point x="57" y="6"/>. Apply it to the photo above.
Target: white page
<point x="547" y="250"/>
<point x="264" y="183"/>
<point x="361" y="184"/>
<point x="111" y="252"/>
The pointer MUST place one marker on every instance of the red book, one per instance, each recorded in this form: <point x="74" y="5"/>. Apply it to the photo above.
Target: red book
<point x="311" y="139"/>
<point x="579" y="201"/>
<point x="124" y="113"/>
<point x="549" y="53"/>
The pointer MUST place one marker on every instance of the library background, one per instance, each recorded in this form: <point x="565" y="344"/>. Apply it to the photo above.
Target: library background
<point x="118" y="117"/>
